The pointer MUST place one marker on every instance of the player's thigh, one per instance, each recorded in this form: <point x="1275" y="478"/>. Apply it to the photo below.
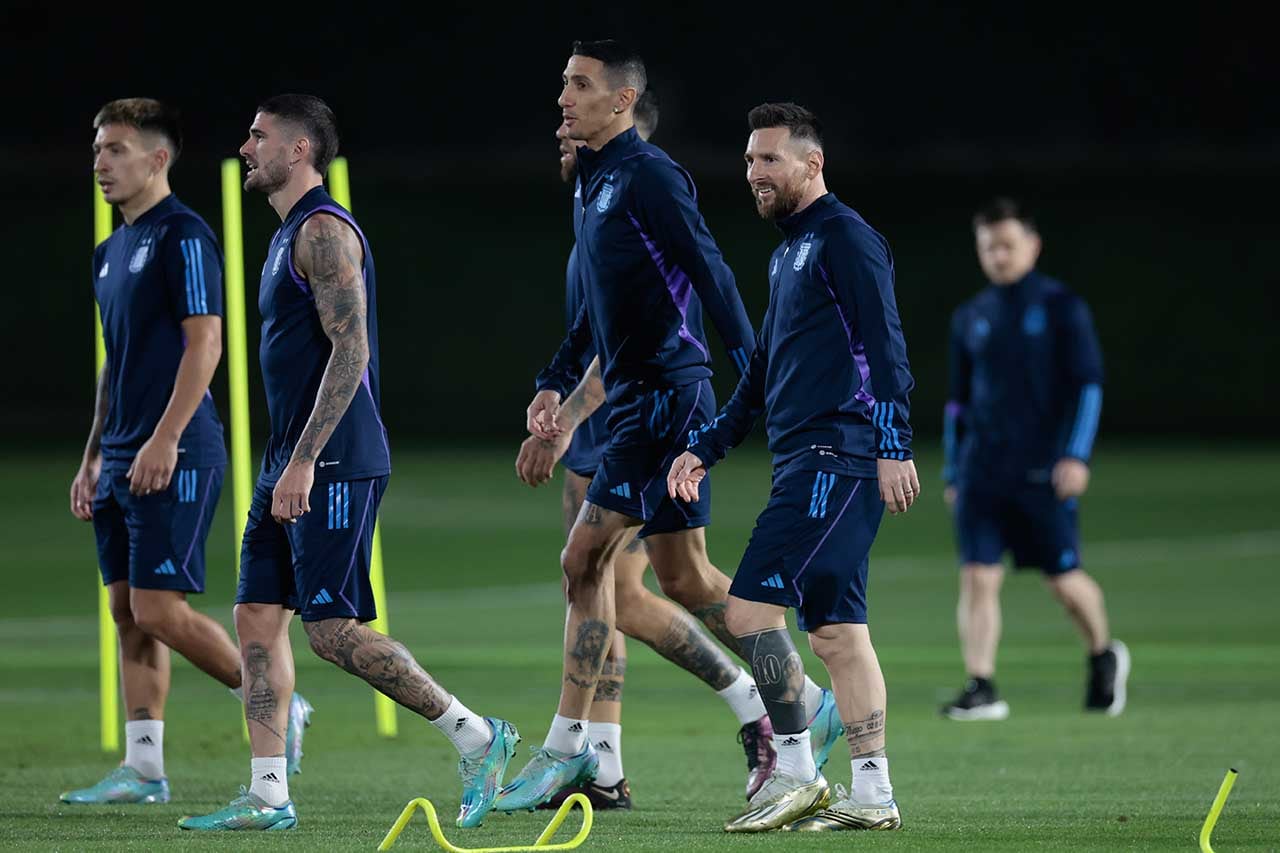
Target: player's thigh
<point x="597" y="537"/>
<point x="1047" y="535"/>
<point x="574" y="493"/>
<point x="110" y="532"/>
<point x="332" y="549"/>
<point x="266" y="560"/>
<point x="981" y="525"/>
<point x="167" y="531"/>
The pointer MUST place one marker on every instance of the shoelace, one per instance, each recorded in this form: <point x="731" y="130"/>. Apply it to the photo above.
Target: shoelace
<point x="842" y="793"/>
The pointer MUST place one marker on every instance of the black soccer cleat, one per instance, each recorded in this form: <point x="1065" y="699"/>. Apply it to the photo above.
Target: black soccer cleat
<point x="601" y="797"/>
<point x="1107" y="690"/>
<point x="977" y="701"/>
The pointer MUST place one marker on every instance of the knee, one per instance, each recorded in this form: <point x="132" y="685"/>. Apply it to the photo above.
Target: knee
<point x="253" y="622"/>
<point x="122" y="615"/>
<point x="153" y="612"/>
<point x="983" y="582"/>
<point x="834" y="644"/>
<point x="328" y="636"/>
<point x="685" y="588"/>
<point x="581" y="566"/>
<point x="738" y="618"/>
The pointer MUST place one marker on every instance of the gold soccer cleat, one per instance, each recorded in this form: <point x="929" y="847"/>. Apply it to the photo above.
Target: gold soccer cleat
<point x="846" y="814"/>
<point x="782" y="800"/>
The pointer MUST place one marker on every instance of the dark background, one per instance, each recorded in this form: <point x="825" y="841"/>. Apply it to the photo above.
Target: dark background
<point x="1149" y="150"/>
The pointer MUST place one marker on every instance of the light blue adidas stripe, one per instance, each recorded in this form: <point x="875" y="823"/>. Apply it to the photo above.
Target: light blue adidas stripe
<point x="322" y="597"/>
<point x="1086" y="425"/>
<point x="193" y="256"/>
<point x="774" y="582"/>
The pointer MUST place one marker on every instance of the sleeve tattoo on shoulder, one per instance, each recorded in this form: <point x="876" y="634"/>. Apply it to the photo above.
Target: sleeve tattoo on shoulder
<point x="330" y="255"/>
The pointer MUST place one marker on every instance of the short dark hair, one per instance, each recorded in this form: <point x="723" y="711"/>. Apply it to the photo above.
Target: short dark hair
<point x="316" y="119"/>
<point x="1000" y="209"/>
<point x="802" y="123"/>
<point x="622" y="65"/>
<point x="645" y="113"/>
<point x="146" y="115"/>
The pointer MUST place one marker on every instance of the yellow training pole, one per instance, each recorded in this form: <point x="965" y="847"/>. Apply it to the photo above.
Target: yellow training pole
<point x="237" y="357"/>
<point x="108" y="674"/>
<point x="384" y="709"/>
<point x="1216" y="809"/>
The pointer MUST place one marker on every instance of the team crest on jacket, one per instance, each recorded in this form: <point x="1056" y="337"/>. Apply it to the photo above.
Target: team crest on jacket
<point x="140" y="257"/>
<point x="801" y="256"/>
<point x="606" y="196"/>
<point x="275" y="265"/>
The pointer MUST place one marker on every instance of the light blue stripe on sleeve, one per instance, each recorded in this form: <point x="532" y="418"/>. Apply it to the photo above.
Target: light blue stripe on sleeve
<point x="201" y="287"/>
<point x="1086" y="425"/>
<point x="188" y="271"/>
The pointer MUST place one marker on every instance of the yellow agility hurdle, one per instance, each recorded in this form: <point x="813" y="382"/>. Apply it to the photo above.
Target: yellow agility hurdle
<point x="543" y="843"/>
<point x="1216" y="809"/>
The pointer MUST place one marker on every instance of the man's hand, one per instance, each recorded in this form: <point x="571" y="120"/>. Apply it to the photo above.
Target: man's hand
<point x="899" y="485"/>
<point x="538" y="457"/>
<point x="1070" y="478"/>
<point x="685" y="475"/>
<point x="84" y="487"/>
<point x="292" y="495"/>
<point x="541" y="415"/>
<point x="153" y="467"/>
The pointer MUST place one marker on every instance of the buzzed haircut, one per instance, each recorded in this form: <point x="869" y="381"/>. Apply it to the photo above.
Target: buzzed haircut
<point x="623" y="67"/>
<point x="802" y="123"/>
<point x="645" y="113"/>
<point x="316" y="120"/>
<point x="147" y="115"/>
<point x="1001" y="209"/>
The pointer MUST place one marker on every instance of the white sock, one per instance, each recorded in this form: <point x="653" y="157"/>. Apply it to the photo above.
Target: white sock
<point x="812" y="697"/>
<point x="270" y="780"/>
<point x="469" y="732"/>
<point x="743" y="698"/>
<point x="794" y="756"/>
<point x="144" y="747"/>
<point x="607" y="740"/>
<point x="567" y="736"/>
<point x="237" y="692"/>
<point x="871" y="785"/>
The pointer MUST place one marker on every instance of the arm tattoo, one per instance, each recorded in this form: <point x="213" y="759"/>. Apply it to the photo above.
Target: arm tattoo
<point x="866" y="737"/>
<point x="330" y="256"/>
<point x="687" y="647"/>
<point x="713" y="617"/>
<point x="779" y="675"/>
<point x="585" y="399"/>
<point x="612" y="675"/>
<point x="575" y="492"/>
<point x="385" y="664"/>
<point x="586" y="657"/>
<point x="101" y="406"/>
<point x="260" y="701"/>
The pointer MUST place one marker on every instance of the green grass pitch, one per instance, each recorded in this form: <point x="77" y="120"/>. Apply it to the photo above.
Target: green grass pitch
<point x="1185" y="541"/>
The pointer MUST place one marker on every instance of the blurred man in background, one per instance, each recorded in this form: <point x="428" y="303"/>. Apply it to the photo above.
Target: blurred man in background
<point x="1025" y="396"/>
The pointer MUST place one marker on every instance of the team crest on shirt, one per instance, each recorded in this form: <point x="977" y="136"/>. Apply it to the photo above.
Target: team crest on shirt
<point x="801" y="256"/>
<point x="140" y="256"/>
<point x="275" y="265"/>
<point x="606" y="196"/>
<point x="1033" y="322"/>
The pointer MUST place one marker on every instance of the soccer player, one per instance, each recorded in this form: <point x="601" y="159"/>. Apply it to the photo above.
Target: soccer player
<point x="152" y="467"/>
<point x="830" y="374"/>
<point x="655" y="621"/>
<point x="309" y="534"/>
<point x="648" y="266"/>
<point x="1025" y="396"/>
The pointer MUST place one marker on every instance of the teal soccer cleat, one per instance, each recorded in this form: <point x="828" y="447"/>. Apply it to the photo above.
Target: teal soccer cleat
<point x="825" y="729"/>
<point x="482" y="772"/>
<point x="122" y="785"/>
<point x="546" y="773"/>
<point x="246" y="811"/>
<point x="299" y="718"/>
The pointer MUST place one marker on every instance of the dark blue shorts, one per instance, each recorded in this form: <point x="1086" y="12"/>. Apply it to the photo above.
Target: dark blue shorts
<point x="156" y="541"/>
<point x="810" y="546"/>
<point x="318" y="566"/>
<point x="1027" y="519"/>
<point x="646" y="438"/>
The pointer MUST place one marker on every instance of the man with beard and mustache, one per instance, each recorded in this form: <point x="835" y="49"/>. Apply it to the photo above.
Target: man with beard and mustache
<point x="649" y="266"/>
<point x="327" y="449"/>
<point x="654" y="621"/>
<point x="152" y="468"/>
<point x="841" y="447"/>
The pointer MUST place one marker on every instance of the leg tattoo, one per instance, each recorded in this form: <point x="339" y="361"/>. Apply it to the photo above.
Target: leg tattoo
<point x="141" y="714"/>
<point x="866" y="737"/>
<point x="609" y="686"/>
<point x="779" y="676"/>
<point x="260" y="700"/>
<point x="687" y="647"/>
<point x="385" y="664"/>
<point x="588" y="653"/>
<point x="713" y="617"/>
